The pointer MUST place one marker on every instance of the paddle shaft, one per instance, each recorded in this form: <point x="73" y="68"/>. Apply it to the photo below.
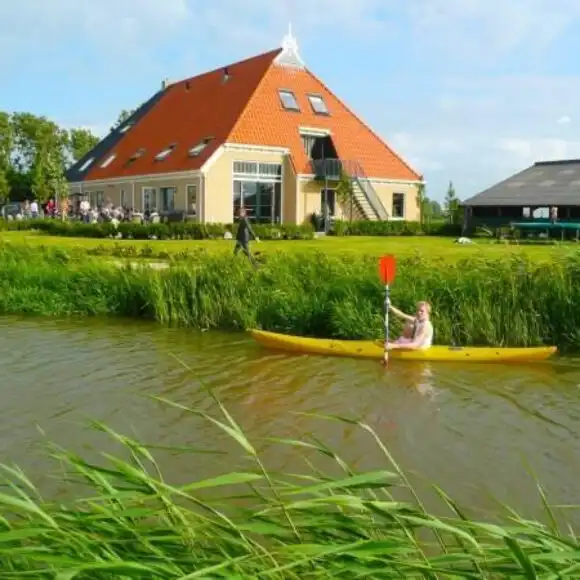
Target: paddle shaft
<point x="386" y="320"/>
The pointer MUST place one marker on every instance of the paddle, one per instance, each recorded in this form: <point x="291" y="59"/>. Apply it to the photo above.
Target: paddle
<point x="387" y="271"/>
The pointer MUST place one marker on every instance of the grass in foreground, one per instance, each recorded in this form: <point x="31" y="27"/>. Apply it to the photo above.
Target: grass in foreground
<point x="403" y="246"/>
<point x="135" y="524"/>
<point x="510" y="302"/>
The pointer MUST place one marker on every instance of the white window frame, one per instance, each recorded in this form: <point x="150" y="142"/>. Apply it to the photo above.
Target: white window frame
<point x="188" y="206"/>
<point x="174" y="187"/>
<point x="155" y="204"/>
<point x="262" y="178"/>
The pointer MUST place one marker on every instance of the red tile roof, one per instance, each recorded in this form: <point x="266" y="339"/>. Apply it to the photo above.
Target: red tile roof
<point x="265" y="122"/>
<point x="245" y="109"/>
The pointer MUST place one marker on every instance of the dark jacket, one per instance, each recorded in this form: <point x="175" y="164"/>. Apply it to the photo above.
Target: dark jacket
<point x="245" y="231"/>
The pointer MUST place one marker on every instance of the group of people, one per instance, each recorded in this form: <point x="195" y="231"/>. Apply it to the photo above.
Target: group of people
<point x="418" y="329"/>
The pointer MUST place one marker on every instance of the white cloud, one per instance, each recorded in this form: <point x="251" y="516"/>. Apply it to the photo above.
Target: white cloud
<point x="526" y="151"/>
<point x="564" y="120"/>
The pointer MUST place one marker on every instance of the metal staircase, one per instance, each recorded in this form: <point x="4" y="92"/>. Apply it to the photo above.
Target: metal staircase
<point x="363" y="193"/>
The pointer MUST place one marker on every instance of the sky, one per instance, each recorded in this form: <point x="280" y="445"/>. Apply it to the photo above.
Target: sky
<point x="468" y="91"/>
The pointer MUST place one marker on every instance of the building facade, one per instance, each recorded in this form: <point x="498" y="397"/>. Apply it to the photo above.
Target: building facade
<point x="264" y="134"/>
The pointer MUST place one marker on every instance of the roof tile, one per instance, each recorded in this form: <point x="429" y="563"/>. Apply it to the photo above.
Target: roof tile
<point x="244" y="109"/>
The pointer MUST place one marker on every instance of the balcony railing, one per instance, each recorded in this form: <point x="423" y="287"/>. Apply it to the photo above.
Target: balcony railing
<point x="327" y="168"/>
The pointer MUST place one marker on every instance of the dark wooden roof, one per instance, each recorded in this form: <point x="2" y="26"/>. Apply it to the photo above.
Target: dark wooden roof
<point x="545" y="183"/>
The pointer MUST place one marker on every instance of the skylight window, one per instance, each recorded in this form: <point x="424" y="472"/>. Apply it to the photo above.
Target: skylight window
<point x="86" y="164"/>
<point x="125" y="128"/>
<point x="197" y="149"/>
<point x="318" y="105"/>
<point x="163" y="154"/>
<point x="137" y="154"/>
<point x="108" y="160"/>
<point x="288" y="99"/>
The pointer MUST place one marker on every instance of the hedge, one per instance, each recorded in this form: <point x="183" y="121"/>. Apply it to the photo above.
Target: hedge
<point x="160" y="231"/>
<point x="197" y="231"/>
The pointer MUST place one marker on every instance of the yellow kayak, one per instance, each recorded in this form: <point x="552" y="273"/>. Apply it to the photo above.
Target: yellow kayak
<point x="374" y="349"/>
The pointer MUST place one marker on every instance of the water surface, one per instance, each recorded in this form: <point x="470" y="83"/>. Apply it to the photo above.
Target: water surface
<point x="473" y="429"/>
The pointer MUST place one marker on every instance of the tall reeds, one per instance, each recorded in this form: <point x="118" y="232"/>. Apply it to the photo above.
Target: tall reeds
<point x="513" y="302"/>
<point x="133" y="523"/>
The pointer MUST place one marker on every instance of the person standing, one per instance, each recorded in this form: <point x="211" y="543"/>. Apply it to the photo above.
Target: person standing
<point x="243" y="236"/>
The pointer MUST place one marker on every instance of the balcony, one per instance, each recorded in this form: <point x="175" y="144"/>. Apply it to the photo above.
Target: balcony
<point x="327" y="169"/>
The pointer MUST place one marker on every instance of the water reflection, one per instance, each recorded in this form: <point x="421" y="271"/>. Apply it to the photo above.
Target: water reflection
<point x="469" y="428"/>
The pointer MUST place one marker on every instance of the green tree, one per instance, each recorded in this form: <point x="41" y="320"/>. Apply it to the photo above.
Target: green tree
<point x="5" y="153"/>
<point x="40" y="149"/>
<point x="81" y="141"/>
<point x="451" y="204"/>
<point x="421" y="199"/>
<point x="344" y="194"/>
<point x="123" y="116"/>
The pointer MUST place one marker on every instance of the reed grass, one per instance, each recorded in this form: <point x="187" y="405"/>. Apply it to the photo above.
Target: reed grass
<point x="514" y="302"/>
<point x="254" y="524"/>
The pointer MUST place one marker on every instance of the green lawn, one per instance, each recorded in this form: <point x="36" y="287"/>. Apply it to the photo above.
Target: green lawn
<point x="443" y="248"/>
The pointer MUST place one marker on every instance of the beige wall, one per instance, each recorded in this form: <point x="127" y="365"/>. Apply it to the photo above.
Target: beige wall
<point x="385" y="193"/>
<point x="219" y="188"/>
<point x="309" y="193"/>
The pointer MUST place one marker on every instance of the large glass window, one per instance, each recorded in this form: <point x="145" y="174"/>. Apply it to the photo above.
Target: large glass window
<point x="258" y="189"/>
<point x="149" y="199"/>
<point x="168" y="198"/>
<point x="262" y="201"/>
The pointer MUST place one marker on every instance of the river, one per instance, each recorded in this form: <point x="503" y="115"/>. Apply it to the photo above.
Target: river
<point x="473" y="429"/>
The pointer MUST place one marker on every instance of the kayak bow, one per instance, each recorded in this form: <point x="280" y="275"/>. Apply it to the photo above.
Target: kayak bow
<point x="374" y="349"/>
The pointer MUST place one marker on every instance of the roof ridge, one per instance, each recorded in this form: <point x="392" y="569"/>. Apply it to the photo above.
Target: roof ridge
<point x="249" y="101"/>
<point x="366" y="126"/>
<point x="273" y="53"/>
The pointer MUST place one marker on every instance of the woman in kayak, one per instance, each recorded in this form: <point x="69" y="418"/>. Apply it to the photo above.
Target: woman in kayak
<point x="418" y="331"/>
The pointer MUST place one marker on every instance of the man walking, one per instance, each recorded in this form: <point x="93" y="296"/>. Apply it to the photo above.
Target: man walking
<point x="245" y="232"/>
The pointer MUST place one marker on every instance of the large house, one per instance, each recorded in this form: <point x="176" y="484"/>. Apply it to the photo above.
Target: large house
<point x="264" y="133"/>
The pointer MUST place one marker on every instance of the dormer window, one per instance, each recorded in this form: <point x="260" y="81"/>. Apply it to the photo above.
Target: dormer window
<point x="86" y="164"/>
<point x="197" y="149"/>
<point x="288" y="100"/>
<point x="318" y="105"/>
<point x="163" y="154"/>
<point x="108" y="160"/>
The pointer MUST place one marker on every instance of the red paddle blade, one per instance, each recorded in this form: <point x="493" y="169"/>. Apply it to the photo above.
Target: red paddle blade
<point x="387" y="269"/>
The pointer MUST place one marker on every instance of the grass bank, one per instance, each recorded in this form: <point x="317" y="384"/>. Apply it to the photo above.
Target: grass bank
<point x="442" y="248"/>
<point x="512" y="302"/>
<point x="132" y="523"/>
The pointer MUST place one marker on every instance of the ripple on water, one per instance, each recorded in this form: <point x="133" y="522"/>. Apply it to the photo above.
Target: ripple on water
<point x="469" y="428"/>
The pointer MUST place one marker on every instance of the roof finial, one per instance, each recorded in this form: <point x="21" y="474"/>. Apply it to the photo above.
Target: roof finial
<point x="289" y="55"/>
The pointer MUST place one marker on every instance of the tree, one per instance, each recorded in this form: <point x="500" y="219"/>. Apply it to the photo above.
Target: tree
<point x="344" y="193"/>
<point x="421" y="199"/>
<point x="123" y="116"/>
<point x="5" y="151"/>
<point x="81" y="142"/>
<point x="451" y="204"/>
